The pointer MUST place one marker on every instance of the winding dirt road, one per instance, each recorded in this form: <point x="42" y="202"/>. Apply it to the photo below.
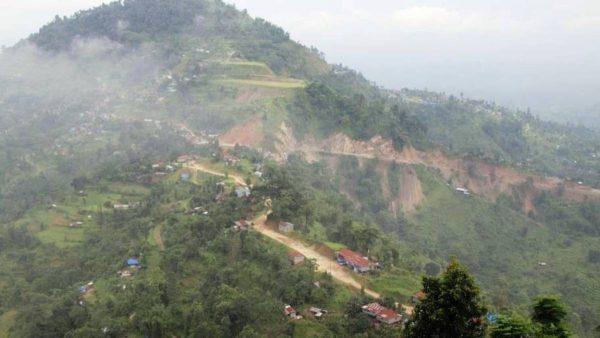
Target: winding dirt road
<point x="324" y="264"/>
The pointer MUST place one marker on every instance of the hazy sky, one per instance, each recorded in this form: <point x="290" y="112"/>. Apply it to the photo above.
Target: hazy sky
<point x="538" y="53"/>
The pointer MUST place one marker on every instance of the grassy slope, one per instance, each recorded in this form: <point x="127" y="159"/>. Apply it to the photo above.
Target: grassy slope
<point x="51" y="225"/>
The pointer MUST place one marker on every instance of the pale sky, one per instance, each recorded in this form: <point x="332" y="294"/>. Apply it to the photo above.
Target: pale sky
<point x="539" y="53"/>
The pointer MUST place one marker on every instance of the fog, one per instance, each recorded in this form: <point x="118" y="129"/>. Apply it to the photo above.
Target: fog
<point x="98" y="66"/>
<point x="540" y="54"/>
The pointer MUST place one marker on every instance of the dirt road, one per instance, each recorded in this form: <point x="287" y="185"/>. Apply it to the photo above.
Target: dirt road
<point x="197" y="166"/>
<point x="324" y="264"/>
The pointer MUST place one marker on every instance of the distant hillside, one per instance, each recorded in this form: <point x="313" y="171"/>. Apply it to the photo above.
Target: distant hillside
<point x="337" y="99"/>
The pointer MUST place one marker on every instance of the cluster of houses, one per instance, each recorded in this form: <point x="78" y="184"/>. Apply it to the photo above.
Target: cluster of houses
<point x="291" y="313"/>
<point x="355" y="261"/>
<point x="162" y="169"/>
<point x="376" y="311"/>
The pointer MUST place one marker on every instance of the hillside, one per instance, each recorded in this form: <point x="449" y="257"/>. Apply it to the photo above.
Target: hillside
<point x="124" y="104"/>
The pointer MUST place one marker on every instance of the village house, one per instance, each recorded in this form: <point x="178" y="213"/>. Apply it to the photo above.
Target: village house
<point x="354" y="261"/>
<point x="86" y="288"/>
<point x="185" y="176"/>
<point x="124" y="273"/>
<point x="296" y="257"/>
<point x="76" y="224"/>
<point x="241" y="225"/>
<point x="133" y="262"/>
<point x="286" y="227"/>
<point x="463" y="191"/>
<point x="381" y="313"/>
<point x="289" y="311"/>
<point x="242" y="191"/>
<point x="318" y="313"/>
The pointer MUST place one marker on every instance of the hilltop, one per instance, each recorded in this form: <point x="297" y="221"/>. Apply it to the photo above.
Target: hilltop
<point x="92" y="103"/>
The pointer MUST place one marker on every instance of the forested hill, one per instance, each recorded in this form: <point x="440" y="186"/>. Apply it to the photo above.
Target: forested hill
<point x="174" y="23"/>
<point x="340" y="99"/>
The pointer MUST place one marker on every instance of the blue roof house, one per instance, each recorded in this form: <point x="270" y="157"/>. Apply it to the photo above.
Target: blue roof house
<point x="133" y="262"/>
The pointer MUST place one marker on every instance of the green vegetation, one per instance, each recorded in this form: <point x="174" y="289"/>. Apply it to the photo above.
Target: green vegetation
<point x="100" y="97"/>
<point x="548" y="319"/>
<point x="323" y="110"/>
<point x="452" y="306"/>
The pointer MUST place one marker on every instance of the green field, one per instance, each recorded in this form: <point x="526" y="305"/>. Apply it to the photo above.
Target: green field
<point x="52" y="224"/>
<point x="281" y="83"/>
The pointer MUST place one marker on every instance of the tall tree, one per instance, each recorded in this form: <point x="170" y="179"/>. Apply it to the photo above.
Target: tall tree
<point x="550" y="315"/>
<point x="452" y="309"/>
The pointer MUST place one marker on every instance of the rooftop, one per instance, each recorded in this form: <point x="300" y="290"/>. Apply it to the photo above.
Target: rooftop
<point x="354" y="258"/>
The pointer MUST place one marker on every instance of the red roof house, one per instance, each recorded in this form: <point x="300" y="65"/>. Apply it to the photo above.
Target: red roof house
<point x="381" y="313"/>
<point x="354" y="260"/>
<point x="296" y="257"/>
<point x="241" y="225"/>
<point x="289" y="311"/>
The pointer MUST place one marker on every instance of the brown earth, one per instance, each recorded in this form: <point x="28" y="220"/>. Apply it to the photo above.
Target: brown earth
<point x="250" y="134"/>
<point x="410" y="194"/>
<point x="484" y="179"/>
<point x="481" y="178"/>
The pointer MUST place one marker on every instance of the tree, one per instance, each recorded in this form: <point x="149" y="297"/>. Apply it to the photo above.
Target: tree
<point x="549" y="314"/>
<point x="511" y="326"/>
<point x="453" y="307"/>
